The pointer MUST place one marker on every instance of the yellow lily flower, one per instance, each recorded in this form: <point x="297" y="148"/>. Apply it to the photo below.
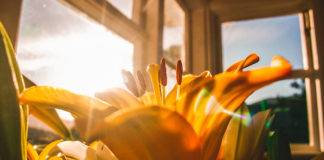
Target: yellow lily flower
<point x="189" y="123"/>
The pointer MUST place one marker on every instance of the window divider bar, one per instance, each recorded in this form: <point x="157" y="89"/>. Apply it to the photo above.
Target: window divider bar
<point x="106" y="14"/>
<point x="303" y="74"/>
<point x="312" y="113"/>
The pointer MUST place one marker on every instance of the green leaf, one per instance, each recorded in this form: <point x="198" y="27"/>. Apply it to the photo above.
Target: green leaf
<point x="278" y="147"/>
<point x="13" y="144"/>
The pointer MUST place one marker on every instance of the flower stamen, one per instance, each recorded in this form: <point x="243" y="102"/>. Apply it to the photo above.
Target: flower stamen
<point x="162" y="79"/>
<point x="179" y="70"/>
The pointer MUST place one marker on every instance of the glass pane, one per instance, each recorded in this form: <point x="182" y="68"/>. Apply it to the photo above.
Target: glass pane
<point x="124" y="6"/>
<point x="267" y="37"/>
<point x="172" y="78"/>
<point x="173" y="32"/>
<point x="287" y="99"/>
<point x="61" y="48"/>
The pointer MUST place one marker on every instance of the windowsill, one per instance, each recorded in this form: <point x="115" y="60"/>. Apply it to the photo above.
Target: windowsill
<point x="303" y="153"/>
<point x="304" y="156"/>
<point x="299" y="156"/>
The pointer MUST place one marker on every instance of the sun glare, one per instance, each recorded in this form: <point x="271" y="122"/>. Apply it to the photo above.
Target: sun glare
<point x="79" y="55"/>
<point x="84" y="63"/>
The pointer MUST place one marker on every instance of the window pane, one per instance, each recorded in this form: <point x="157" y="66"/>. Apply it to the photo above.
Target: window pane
<point x="172" y="78"/>
<point x="61" y="48"/>
<point x="267" y="37"/>
<point x="173" y="39"/>
<point x="270" y="37"/>
<point x="124" y="6"/>
<point x="287" y="99"/>
<point x="173" y="32"/>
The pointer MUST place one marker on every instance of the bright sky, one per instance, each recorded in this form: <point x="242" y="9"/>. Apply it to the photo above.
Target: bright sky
<point x="267" y="37"/>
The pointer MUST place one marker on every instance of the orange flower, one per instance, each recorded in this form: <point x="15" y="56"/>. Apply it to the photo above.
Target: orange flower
<point x="188" y="123"/>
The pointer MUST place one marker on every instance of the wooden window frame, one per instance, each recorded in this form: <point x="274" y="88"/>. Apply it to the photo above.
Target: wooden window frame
<point x="312" y="72"/>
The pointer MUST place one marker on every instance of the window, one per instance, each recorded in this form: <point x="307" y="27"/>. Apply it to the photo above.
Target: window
<point x="269" y="37"/>
<point x="62" y="48"/>
<point x="292" y="100"/>
<point x="173" y="38"/>
<point x="135" y="21"/>
<point x="125" y="6"/>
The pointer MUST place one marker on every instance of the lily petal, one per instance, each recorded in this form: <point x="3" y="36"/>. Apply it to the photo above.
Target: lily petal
<point x="104" y="153"/>
<point x="79" y="105"/>
<point x="230" y="90"/>
<point x="188" y="83"/>
<point x="118" y="98"/>
<point x="148" y="98"/>
<point x="205" y="104"/>
<point x="78" y="150"/>
<point x="150" y="133"/>
<point x="238" y="66"/>
<point x="153" y="71"/>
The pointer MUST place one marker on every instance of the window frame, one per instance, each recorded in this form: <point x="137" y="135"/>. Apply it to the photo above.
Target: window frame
<point x="209" y="55"/>
<point x="104" y="13"/>
<point x="311" y="72"/>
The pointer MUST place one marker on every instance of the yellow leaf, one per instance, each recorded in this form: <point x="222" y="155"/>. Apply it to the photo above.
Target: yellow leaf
<point x="50" y="150"/>
<point x="245" y="135"/>
<point x="79" y="105"/>
<point x="31" y="152"/>
<point x="261" y="126"/>
<point x="50" y="117"/>
<point x="58" y="158"/>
